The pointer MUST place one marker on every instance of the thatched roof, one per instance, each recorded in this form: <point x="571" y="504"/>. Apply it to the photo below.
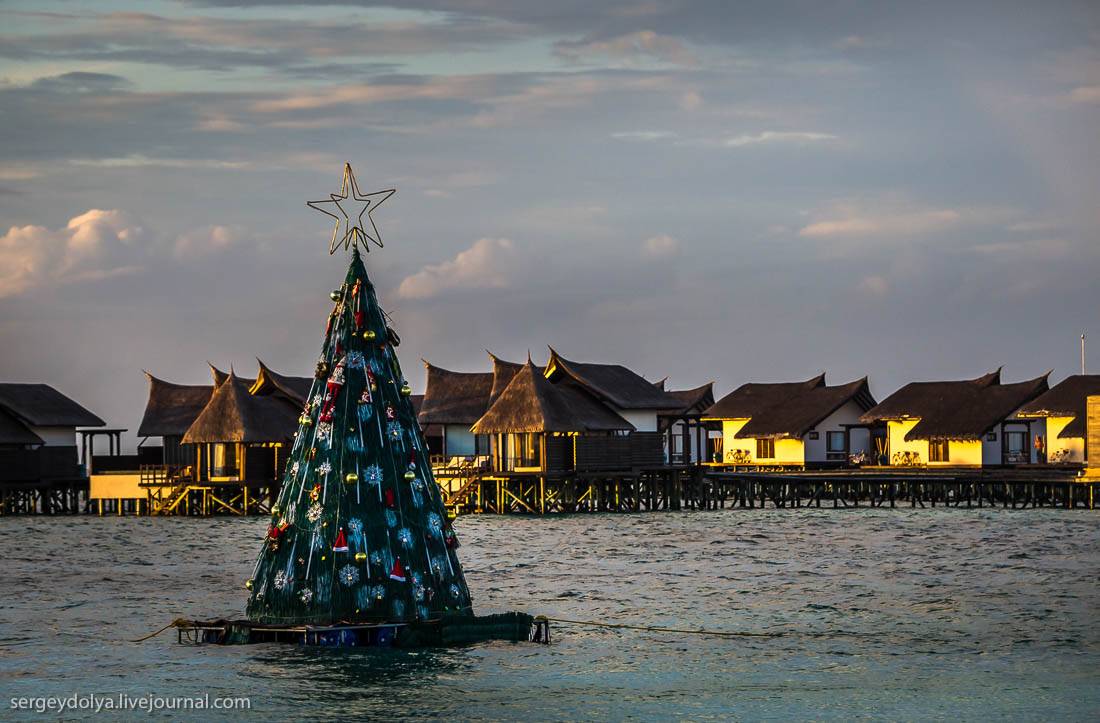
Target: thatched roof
<point x="803" y="411"/>
<point x="172" y="408"/>
<point x="690" y="400"/>
<point x="788" y="409"/>
<point x="12" y="431"/>
<point x="220" y="376"/>
<point x="612" y="383"/>
<point x="1067" y="398"/>
<point x="234" y="415"/>
<point x="40" y="405"/>
<point x="752" y="398"/>
<point x="503" y="371"/>
<point x="921" y="399"/>
<point x="271" y="382"/>
<point x="454" y="397"/>
<point x="965" y="409"/>
<point x="530" y="403"/>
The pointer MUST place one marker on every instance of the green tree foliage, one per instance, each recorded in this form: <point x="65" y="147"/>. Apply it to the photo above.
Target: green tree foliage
<point x="359" y="532"/>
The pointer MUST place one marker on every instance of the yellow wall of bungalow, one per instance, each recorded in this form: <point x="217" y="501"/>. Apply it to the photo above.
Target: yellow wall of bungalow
<point x="899" y="446"/>
<point x="743" y="451"/>
<point x="967" y="453"/>
<point x="116" y="486"/>
<point x="1069" y="449"/>
<point x="964" y="453"/>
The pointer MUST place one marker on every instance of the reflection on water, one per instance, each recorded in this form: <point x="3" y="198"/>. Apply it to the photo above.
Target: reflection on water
<point x="903" y="614"/>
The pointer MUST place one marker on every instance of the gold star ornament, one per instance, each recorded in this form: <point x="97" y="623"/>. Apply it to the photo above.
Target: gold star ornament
<point x="348" y="208"/>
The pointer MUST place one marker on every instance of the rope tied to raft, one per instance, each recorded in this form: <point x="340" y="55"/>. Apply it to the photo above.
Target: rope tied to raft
<point x="657" y="629"/>
<point x="177" y="623"/>
<point x="183" y="622"/>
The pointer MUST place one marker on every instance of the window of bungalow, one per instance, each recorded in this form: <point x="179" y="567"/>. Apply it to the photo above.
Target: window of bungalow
<point x="834" y="441"/>
<point x="765" y="448"/>
<point x="527" y="450"/>
<point x="1016" y="449"/>
<point x="938" y="451"/>
<point x="225" y="460"/>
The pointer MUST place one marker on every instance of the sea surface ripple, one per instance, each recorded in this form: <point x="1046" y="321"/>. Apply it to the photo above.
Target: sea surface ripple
<point x="898" y="614"/>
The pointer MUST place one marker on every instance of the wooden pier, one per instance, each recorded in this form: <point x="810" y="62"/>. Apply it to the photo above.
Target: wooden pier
<point x="643" y="489"/>
<point x="44" y="497"/>
<point x="693" y="487"/>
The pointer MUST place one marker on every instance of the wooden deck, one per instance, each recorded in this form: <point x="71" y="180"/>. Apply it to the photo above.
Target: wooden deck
<point x="640" y="489"/>
<point x="700" y="488"/>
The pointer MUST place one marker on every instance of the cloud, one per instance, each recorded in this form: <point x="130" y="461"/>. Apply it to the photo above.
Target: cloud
<point x="875" y="285"/>
<point x="206" y="241"/>
<point x="661" y="246"/>
<point x="488" y="264"/>
<point x="643" y="135"/>
<point x="631" y="48"/>
<point x="777" y="137"/>
<point x="81" y="82"/>
<point x="1031" y="249"/>
<point x="453" y="87"/>
<point x="1085" y="94"/>
<point x="848" y="220"/>
<point x="137" y="160"/>
<point x="691" y="100"/>
<point x="95" y="245"/>
<point x="298" y="47"/>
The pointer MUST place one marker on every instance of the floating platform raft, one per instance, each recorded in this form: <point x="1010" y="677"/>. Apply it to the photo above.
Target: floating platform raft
<point x="513" y="627"/>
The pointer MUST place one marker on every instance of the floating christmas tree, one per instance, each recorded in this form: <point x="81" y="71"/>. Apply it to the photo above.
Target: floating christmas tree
<point x="359" y="533"/>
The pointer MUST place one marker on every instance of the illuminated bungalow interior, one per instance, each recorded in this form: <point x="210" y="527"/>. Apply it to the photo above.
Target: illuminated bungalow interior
<point x="968" y="423"/>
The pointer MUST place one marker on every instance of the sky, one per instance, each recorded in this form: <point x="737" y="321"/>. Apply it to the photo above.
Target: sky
<point x="705" y="190"/>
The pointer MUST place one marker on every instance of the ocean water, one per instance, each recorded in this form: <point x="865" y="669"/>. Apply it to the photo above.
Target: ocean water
<point x="903" y="614"/>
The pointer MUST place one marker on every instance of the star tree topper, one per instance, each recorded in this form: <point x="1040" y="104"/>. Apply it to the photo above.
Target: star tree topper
<point x="351" y="206"/>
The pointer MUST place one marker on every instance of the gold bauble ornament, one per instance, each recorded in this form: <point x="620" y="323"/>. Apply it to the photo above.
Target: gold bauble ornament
<point x="360" y="557"/>
<point x="335" y="295"/>
<point x="410" y="475"/>
<point x="369" y="335"/>
<point x="248" y="584"/>
<point x="351" y="478"/>
<point x="406" y="390"/>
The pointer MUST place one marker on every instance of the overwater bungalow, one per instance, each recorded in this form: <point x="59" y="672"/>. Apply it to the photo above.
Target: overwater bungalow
<point x="1060" y="419"/>
<point x="453" y="401"/>
<point x="169" y="411"/>
<point x="208" y="434"/>
<point x="40" y="467"/>
<point x="792" y="424"/>
<point x="239" y="436"/>
<point x="535" y="426"/>
<point x="969" y="423"/>
<point x="626" y="393"/>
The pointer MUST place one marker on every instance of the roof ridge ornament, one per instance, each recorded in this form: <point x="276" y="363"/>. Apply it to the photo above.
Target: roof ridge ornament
<point x="351" y="206"/>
